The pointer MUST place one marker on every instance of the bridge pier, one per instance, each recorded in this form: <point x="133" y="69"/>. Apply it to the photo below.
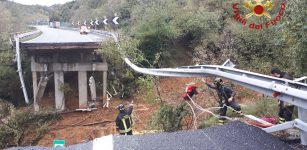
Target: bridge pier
<point x="58" y="58"/>
<point x="59" y="69"/>
<point x="59" y="92"/>
<point x="82" y="82"/>
<point x="34" y="80"/>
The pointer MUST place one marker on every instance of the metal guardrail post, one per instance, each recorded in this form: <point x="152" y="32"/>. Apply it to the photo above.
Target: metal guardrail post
<point x="25" y="94"/>
<point x="17" y="38"/>
<point x="302" y="115"/>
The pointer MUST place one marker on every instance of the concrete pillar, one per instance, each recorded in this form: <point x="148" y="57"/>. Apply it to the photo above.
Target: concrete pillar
<point x="104" y="85"/>
<point x="82" y="81"/>
<point x="59" y="94"/>
<point x="302" y="115"/>
<point x="34" y="81"/>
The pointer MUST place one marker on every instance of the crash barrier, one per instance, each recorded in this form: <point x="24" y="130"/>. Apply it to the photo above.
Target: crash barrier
<point x="290" y="91"/>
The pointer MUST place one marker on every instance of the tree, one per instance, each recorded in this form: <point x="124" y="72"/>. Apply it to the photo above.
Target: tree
<point x="294" y="34"/>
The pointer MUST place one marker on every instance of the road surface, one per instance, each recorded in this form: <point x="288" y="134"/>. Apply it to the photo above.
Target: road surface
<point x="232" y="136"/>
<point x="52" y="35"/>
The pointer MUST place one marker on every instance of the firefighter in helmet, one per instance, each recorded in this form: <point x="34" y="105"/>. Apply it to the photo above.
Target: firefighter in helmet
<point x="226" y="98"/>
<point x="285" y="109"/>
<point x="124" y="120"/>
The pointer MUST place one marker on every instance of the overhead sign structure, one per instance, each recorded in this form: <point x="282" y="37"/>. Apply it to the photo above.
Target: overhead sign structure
<point x="84" y="22"/>
<point x="73" y="23"/>
<point x="105" y="21"/>
<point x="92" y="22"/>
<point x="78" y="23"/>
<point x="115" y="20"/>
<point x="96" y="21"/>
<point x="58" y="143"/>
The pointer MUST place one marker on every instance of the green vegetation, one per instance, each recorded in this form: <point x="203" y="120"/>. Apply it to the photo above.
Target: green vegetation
<point x="206" y="31"/>
<point x="263" y="107"/>
<point x="152" y="33"/>
<point x="22" y="127"/>
<point x="17" y="124"/>
<point x="157" y="34"/>
<point x="169" y="118"/>
<point x="14" y="18"/>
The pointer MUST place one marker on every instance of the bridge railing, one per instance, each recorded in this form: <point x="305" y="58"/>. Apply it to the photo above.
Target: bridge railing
<point x="24" y="36"/>
<point x="97" y="32"/>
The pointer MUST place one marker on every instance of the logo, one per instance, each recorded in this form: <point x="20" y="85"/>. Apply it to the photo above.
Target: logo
<point x="258" y="9"/>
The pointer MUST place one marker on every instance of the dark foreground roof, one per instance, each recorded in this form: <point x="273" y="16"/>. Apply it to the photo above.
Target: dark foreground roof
<point x="233" y="136"/>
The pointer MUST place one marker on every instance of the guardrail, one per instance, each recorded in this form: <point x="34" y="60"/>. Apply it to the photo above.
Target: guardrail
<point x="23" y="36"/>
<point x="290" y="91"/>
<point x="15" y="41"/>
<point x="28" y="34"/>
<point x="97" y="32"/>
<point x="301" y="79"/>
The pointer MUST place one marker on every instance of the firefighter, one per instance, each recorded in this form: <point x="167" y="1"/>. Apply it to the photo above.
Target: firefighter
<point x="285" y="109"/>
<point x="190" y="91"/>
<point x="124" y="120"/>
<point x="226" y="97"/>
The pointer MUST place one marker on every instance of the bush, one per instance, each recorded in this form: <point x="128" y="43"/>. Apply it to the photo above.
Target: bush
<point x="263" y="107"/>
<point x="17" y="125"/>
<point x="169" y="118"/>
<point x="120" y="76"/>
<point x="146" y="85"/>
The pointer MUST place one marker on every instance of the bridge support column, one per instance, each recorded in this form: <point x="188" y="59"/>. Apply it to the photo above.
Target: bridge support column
<point x="82" y="82"/>
<point x="59" y="93"/>
<point x="34" y="81"/>
<point x="104" y="85"/>
<point x="302" y="115"/>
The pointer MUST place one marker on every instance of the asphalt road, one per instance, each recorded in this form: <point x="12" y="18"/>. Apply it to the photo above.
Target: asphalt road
<point x="52" y="35"/>
<point x="232" y="136"/>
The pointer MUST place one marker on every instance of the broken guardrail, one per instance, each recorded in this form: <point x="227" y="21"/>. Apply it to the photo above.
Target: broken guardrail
<point x="292" y="92"/>
<point x="15" y="42"/>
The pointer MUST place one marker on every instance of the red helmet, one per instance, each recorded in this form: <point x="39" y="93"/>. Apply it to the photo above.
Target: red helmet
<point x="190" y="92"/>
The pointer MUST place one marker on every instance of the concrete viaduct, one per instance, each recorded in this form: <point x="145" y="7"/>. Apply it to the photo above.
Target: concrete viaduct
<point x="57" y="51"/>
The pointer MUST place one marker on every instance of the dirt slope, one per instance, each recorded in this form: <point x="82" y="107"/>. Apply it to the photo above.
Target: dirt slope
<point x="71" y="127"/>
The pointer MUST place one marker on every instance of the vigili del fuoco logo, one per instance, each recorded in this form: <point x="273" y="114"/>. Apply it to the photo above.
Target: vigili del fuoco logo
<point x="258" y="8"/>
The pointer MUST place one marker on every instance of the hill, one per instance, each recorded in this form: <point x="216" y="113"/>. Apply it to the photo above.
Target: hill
<point x="15" y="17"/>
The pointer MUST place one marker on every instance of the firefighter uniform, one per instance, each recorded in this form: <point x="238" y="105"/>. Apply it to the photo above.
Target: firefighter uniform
<point x="224" y="93"/>
<point x="124" y="120"/>
<point x="285" y="109"/>
<point x="285" y="112"/>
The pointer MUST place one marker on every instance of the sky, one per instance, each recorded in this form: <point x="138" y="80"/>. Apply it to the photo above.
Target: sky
<point x="41" y="2"/>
